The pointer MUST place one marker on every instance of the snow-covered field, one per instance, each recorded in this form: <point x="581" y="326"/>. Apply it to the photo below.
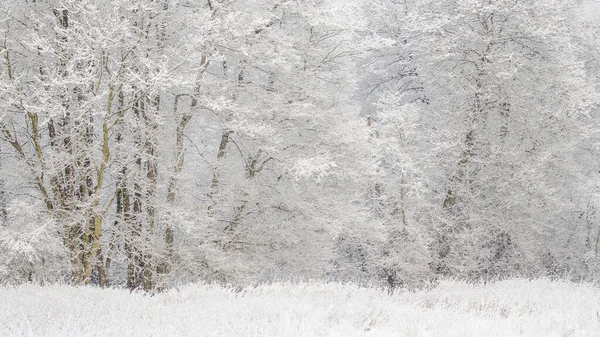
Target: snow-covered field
<point x="510" y="308"/>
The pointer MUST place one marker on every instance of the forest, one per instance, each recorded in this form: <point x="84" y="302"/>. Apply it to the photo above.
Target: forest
<point x="147" y="144"/>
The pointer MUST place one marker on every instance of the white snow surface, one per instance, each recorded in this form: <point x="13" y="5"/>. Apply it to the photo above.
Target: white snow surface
<point x="509" y="308"/>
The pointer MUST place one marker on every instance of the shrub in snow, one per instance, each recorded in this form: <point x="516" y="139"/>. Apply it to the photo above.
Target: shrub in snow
<point x="30" y="248"/>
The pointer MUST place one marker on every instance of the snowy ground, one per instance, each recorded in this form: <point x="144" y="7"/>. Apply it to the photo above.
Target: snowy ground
<point x="510" y="308"/>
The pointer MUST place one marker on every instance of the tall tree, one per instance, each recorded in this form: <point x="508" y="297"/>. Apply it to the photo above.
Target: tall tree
<point x="506" y="89"/>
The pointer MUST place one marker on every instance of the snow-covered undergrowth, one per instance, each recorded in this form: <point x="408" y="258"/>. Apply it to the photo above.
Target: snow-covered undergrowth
<point x="509" y="308"/>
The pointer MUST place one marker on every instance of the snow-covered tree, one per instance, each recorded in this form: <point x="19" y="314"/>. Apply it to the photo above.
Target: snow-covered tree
<point x="506" y="92"/>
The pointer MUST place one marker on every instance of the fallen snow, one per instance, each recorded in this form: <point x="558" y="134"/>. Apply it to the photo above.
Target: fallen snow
<point x="510" y="308"/>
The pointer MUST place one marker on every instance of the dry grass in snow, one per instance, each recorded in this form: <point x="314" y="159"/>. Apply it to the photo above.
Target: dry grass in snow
<point x="540" y="308"/>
